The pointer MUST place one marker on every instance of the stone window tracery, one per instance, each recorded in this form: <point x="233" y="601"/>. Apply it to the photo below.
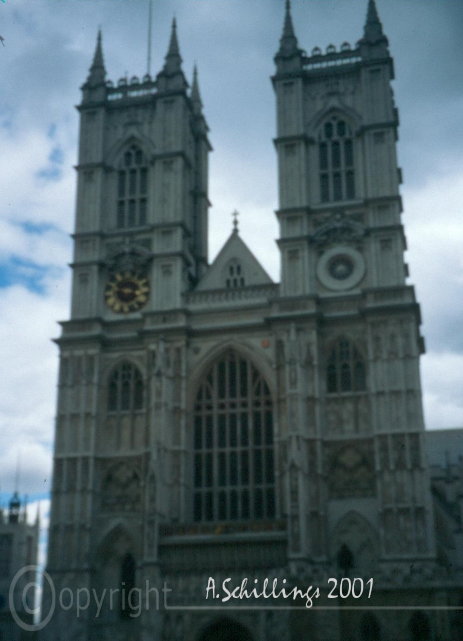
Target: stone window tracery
<point x="345" y="370"/>
<point x="336" y="161"/>
<point x="125" y="389"/>
<point x="234" y="477"/>
<point x="132" y="188"/>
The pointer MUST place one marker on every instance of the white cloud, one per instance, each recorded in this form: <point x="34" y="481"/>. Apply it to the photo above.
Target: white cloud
<point x="28" y="370"/>
<point x="442" y="383"/>
<point x="434" y="228"/>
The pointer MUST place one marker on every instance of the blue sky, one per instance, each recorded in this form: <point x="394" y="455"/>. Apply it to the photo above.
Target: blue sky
<point x="48" y="49"/>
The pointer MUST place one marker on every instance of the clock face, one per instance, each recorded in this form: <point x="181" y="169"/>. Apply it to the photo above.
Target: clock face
<point x="127" y="292"/>
<point x="341" y="267"/>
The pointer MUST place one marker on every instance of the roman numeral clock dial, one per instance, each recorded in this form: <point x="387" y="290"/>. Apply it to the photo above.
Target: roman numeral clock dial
<point x="127" y="292"/>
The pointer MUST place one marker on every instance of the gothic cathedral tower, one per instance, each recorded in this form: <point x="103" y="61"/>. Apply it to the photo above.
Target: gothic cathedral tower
<point x="342" y="242"/>
<point x="213" y="423"/>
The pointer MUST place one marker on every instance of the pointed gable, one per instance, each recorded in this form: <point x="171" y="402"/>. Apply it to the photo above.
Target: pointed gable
<point x="235" y="266"/>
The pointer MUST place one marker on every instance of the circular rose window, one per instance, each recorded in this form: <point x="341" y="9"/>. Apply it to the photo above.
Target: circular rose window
<point x="341" y="267"/>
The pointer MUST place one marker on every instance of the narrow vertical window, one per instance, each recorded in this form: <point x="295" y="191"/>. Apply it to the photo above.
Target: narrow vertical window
<point x="336" y="161"/>
<point x="132" y="189"/>
<point x="336" y="155"/>
<point x="325" y="188"/>
<point x="337" y="186"/>
<point x="127" y="603"/>
<point x="350" y="185"/>
<point x="234" y="276"/>
<point x="323" y="156"/>
<point x="345" y="370"/>
<point x="348" y="153"/>
<point x="125" y="389"/>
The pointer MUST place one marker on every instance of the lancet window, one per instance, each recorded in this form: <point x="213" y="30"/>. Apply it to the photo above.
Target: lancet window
<point x="336" y="161"/>
<point x="132" y="188"/>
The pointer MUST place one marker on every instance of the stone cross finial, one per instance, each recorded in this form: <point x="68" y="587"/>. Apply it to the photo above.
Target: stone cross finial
<point x="235" y="215"/>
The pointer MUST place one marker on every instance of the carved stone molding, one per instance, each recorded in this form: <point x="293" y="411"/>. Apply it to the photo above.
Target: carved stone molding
<point x="339" y="228"/>
<point x="129" y="255"/>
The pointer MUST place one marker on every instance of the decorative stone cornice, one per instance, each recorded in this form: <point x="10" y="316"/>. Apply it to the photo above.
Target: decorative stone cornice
<point x="128" y="256"/>
<point x="339" y="228"/>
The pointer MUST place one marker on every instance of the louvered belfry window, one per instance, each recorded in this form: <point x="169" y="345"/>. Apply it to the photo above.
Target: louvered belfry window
<point x="336" y="161"/>
<point x="234" y="475"/>
<point x="132" y="189"/>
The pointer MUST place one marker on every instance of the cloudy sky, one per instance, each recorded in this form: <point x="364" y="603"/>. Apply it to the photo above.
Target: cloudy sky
<point x="48" y="47"/>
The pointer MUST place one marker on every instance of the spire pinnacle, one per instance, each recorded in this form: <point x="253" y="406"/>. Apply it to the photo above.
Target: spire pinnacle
<point x="97" y="70"/>
<point x="288" y="29"/>
<point x="372" y="15"/>
<point x="373" y="30"/>
<point x="173" y="58"/>
<point x="195" y="95"/>
<point x="174" y="49"/>
<point x="288" y="41"/>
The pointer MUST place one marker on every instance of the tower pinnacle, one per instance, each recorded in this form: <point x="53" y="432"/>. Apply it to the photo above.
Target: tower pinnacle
<point x="288" y="29"/>
<point x="373" y="30"/>
<point x="289" y="56"/>
<point x="374" y="43"/>
<point x="195" y="95"/>
<point x="173" y="57"/>
<point x="288" y="41"/>
<point x="97" y="70"/>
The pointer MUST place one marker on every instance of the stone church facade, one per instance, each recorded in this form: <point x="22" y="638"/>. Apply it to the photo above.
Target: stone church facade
<point x="213" y="423"/>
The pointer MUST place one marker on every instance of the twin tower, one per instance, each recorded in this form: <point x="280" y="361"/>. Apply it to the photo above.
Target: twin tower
<point x="213" y="423"/>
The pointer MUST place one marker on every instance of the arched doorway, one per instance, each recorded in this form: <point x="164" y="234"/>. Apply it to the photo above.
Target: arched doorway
<point x="370" y="628"/>
<point x="115" y="576"/>
<point x="225" y="630"/>
<point x="353" y="545"/>
<point x="420" y="627"/>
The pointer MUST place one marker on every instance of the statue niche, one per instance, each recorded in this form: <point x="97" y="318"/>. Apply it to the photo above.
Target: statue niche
<point x="351" y="471"/>
<point x="121" y="491"/>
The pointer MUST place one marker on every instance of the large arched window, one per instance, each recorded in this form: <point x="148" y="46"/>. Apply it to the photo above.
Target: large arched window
<point x="234" y="477"/>
<point x="336" y="161"/>
<point x="345" y="370"/>
<point x="132" y="188"/>
<point x="125" y="389"/>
